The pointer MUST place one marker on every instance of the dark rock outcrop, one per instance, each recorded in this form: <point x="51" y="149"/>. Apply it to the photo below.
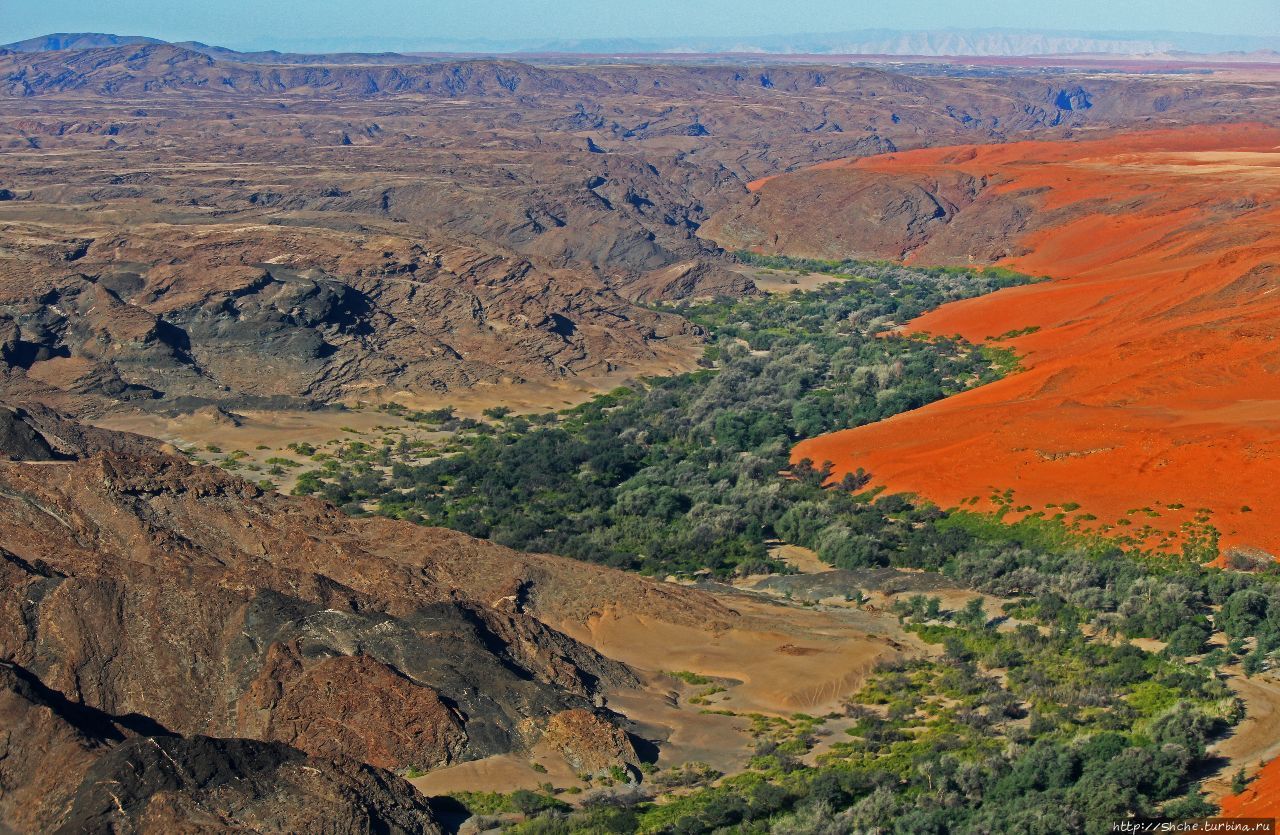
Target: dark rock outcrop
<point x="68" y="768"/>
<point x="19" y="440"/>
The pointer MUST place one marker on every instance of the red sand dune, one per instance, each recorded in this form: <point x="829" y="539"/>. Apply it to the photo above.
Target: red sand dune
<point x="1261" y="799"/>
<point x="1155" y="375"/>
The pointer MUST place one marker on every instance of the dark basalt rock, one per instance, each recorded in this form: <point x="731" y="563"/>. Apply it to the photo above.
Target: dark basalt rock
<point x="230" y="785"/>
<point x="69" y="768"/>
<point x="19" y="441"/>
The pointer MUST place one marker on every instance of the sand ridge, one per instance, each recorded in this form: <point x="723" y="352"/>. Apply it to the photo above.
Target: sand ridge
<point x="1261" y="799"/>
<point x="1154" y="371"/>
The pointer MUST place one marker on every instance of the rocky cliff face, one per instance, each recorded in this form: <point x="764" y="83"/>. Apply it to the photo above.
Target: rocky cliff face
<point x="175" y="625"/>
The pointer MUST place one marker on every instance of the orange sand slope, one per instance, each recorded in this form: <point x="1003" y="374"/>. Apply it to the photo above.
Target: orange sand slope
<point x="1155" y="375"/>
<point x="1260" y="800"/>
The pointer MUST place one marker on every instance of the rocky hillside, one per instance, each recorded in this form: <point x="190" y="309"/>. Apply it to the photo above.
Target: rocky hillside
<point x="230" y="655"/>
<point x="279" y="317"/>
<point x="69" y="768"/>
<point x="180" y="229"/>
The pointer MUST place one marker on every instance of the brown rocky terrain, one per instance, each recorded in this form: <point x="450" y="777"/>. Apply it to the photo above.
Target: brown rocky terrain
<point x="185" y="646"/>
<point x="157" y="610"/>
<point x="202" y="325"/>
<point x="69" y="768"/>
<point x="181" y="229"/>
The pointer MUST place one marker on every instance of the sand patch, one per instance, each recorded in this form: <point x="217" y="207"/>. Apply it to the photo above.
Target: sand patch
<point x="258" y="435"/>
<point x="504" y="773"/>
<point x="685" y="732"/>
<point x="760" y="651"/>
<point x="782" y="282"/>
<point x="1254" y="741"/>
<point x="804" y="560"/>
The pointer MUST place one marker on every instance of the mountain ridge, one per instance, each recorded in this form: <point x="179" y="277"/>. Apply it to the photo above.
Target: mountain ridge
<point x="953" y="42"/>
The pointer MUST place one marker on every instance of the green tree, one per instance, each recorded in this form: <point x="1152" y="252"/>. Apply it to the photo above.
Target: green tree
<point x="1241" y="612"/>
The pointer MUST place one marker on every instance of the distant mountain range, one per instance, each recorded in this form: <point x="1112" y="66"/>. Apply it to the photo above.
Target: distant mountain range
<point x="942" y="42"/>
<point x="958" y="42"/>
<point x="97" y="40"/>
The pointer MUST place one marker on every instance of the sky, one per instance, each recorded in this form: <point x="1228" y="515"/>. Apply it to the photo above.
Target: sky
<point x="259" y="24"/>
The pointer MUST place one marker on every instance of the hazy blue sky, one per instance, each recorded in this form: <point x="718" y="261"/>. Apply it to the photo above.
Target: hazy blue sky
<point x="256" y="22"/>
